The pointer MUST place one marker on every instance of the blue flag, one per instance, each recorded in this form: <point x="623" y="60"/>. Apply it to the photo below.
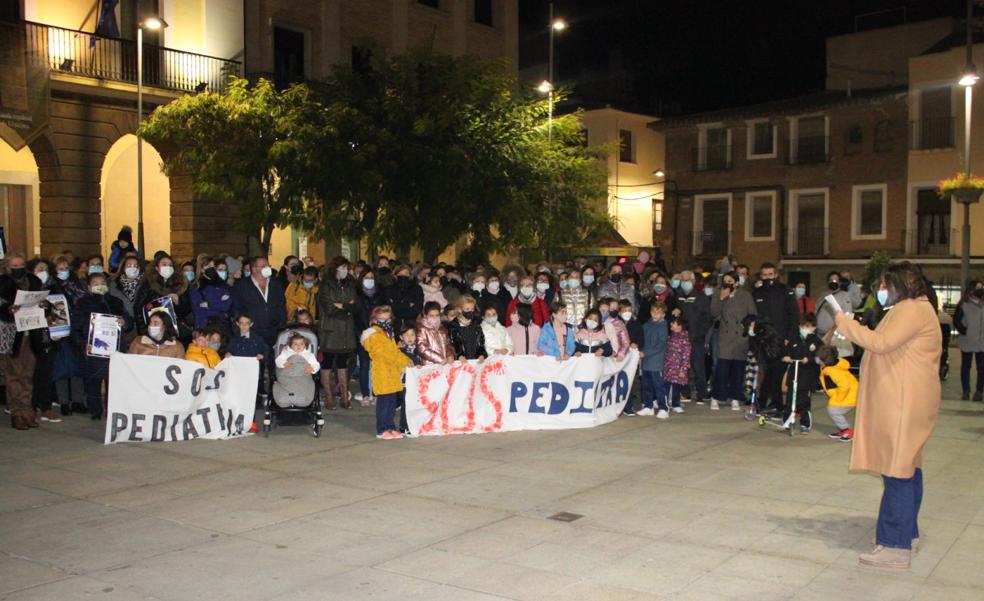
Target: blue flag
<point x="107" y="25"/>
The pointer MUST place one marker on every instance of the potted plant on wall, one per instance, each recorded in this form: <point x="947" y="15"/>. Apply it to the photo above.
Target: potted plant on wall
<point x="965" y="188"/>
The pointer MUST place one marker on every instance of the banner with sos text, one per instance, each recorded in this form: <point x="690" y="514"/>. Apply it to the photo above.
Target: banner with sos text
<point x="506" y="393"/>
<point x="157" y="399"/>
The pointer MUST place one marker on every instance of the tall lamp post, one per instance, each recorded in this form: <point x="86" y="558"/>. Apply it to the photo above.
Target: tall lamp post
<point x="659" y="173"/>
<point x="153" y="23"/>
<point x="547" y="86"/>
<point x="967" y="80"/>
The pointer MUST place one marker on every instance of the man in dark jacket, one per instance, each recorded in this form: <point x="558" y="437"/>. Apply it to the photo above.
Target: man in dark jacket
<point x="262" y="298"/>
<point x="695" y="306"/>
<point x="405" y="296"/>
<point x="777" y="303"/>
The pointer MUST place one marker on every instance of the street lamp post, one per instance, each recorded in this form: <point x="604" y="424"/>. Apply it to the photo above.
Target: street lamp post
<point x="153" y="23"/>
<point x="659" y="173"/>
<point x="968" y="80"/>
<point x="547" y="87"/>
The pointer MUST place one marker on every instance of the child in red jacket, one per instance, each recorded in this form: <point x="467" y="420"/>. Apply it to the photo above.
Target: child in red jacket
<point x="676" y="365"/>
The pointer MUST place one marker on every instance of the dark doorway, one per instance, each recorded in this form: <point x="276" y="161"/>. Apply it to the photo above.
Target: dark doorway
<point x="288" y="57"/>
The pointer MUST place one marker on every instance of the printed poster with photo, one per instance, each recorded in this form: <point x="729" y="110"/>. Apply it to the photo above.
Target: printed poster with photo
<point x="59" y="320"/>
<point x="165" y="304"/>
<point x="104" y="335"/>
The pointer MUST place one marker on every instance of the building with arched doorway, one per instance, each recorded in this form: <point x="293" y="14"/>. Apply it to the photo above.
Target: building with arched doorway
<point x="68" y="102"/>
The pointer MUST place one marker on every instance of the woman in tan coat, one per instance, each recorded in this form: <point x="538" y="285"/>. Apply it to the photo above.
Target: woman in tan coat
<point x="898" y="401"/>
<point x="161" y="339"/>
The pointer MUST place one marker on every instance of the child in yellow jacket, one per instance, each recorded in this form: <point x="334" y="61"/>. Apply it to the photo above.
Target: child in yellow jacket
<point x="388" y="365"/>
<point x="843" y="398"/>
<point x="201" y="351"/>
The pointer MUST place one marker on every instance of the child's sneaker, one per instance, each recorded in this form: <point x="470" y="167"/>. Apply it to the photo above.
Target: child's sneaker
<point x="836" y="435"/>
<point x="392" y="435"/>
<point x="847" y="435"/>
<point x="645" y="411"/>
<point x="735" y="406"/>
<point x="678" y="410"/>
<point x="805" y="429"/>
<point x="358" y="396"/>
<point x="715" y="406"/>
<point x="662" y="414"/>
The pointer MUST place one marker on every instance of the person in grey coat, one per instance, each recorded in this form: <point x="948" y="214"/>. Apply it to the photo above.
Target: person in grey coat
<point x="731" y="305"/>
<point x="825" y="311"/>
<point x="337" y="306"/>
<point x="616" y="287"/>
<point x="969" y="321"/>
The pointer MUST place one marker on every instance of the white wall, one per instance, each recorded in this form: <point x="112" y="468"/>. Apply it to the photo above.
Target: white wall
<point x="118" y="186"/>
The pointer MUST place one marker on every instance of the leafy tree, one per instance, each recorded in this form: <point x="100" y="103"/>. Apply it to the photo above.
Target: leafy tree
<point x="246" y="146"/>
<point x="874" y="267"/>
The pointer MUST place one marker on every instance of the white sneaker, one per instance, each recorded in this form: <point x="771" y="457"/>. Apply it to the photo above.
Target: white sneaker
<point x="715" y="405"/>
<point x="677" y="410"/>
<point x="645" y="411"/>
<point x="735" y="406"/>
<point x="662" y="414"/>
<point x="358" y="396"/>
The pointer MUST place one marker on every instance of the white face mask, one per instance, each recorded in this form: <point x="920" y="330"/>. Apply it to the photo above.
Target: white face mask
<point x="266" y="272"/>
<point x="166" y="271"/>
<point x="131" y="272"/>
<point x="368" y="284"/>
<point x="588" y="279"/>
<point x="590" y="324"/>
<point x="526" y="290"/>
<point x="626" y="315"/>
<point x="573" y="283"/>
<point x="494" y="286"/>
<point x="491" y="320"/>
<point x="543" y="286"/>
<point x="478" y="286"/>
<point x="155" y="331"/>
<point x="43" y="276"/>
<point x="342" y="272"/>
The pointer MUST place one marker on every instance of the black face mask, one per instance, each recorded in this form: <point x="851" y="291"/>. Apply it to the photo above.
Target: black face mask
<point x="833" y="285"/>
<point x="978" y="293"/>
<point x="469" y="315"/>
<point x="615" y="277"/>
<point x="295" y="269"/>
<point x="402" y="278"/>
<point x="18" y="272"/>
<point x="383" y="271"/>
<point x="728" y="286"/>
<point x="845" y="284"/>
<point x="211" y="274"/>
<point x="768" y="282"/>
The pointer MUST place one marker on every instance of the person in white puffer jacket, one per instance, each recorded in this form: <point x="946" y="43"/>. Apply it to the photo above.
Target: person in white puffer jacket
<point x="497" y="338"/>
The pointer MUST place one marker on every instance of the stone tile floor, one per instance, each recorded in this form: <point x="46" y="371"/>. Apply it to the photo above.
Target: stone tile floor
<point x="704" y="506"/>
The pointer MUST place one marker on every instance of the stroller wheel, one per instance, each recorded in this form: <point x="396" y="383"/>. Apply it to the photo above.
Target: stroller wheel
<point x="317" y="431"/>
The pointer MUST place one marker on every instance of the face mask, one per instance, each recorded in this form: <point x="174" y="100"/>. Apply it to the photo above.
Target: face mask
<point x="741" y="280"/>
<point x="166" y="271"/>
<point x="62" y="275"/>
<point x="542" y="286"/>
<point x="132" y="272"/>
<point x="882" y="297"/>
<point x="491" y="321"/>
<point x="805" y="332"/>
<point x="18" y="272"/>
<point x="768" y="282"/>
<point x="590" y="324"/>
<point x="573" y="283"/>
<point x="432" y="322"/>
<point x="687" y="287"/>
<point x="295" y="269"/>
<point x="589" y="279"/>
<point x="833" y="286"/>
<point x="800" y="292"/>
<point x="342" y="272"/>
<point x="190" y="276"/>
<point x="367" y="283"/>
<point x="626" y="315"/>
<point x="978" y="293"/>
<point x="100" y="289"/>
<point x="222" y="274"/>
<point x="215" y="346"/>
<point x="308" y="285"/>
<point x="562" y="284"/>
<point x="845" y="284"/>
<point x="469" y="315"/>
<point x="43" y="276"/>
<point x="478" y="286"/>
<point x="155" y="332"/>
<point x="402" y="278"/>
<point x="247" y="272"/>
<point x="708" y="290"/>
<point x="615" y="277"/>
<point x="674" y="284"/>
<point x="526" y="290"/>
<point x="95" y="268"/>
<point x="266" y="272"/>
<point x="751" y="333"/>
<point x="494" y="287"/>
<point x="660" y="288"/>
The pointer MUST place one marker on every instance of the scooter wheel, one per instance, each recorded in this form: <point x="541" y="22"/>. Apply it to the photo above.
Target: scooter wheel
<point x="761" y="420"/>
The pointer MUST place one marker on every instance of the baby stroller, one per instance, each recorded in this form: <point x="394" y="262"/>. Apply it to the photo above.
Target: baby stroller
<point x="291" y="390"/>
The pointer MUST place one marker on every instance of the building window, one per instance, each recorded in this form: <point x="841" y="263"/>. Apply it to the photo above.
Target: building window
<point x="760" y="215"/>
<point x="868" y="212"/>
<point x="807" y="235"/>
<point x="361" y="59"/>
<point x="713" y="148"/>
<point x="483" y="12"/>
<point x="288" y="57"/>
<point x="657" y="215"/>
<point x="712" y="225"/>
<point x="809" y="140"/>
<point x="430" y="3"/>
<point x="934" y="128"/>
<point x="626" y="150"/>
<point x="884" y="138"/>
<point x="854" y="140"/>
<point x="761" y="139"/>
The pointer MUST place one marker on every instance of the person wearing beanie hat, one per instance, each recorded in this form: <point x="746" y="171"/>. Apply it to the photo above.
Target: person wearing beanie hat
<point x="121" y="246"/>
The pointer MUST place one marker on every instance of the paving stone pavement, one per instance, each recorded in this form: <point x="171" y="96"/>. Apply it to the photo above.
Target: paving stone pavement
<point x="703" y="506"/>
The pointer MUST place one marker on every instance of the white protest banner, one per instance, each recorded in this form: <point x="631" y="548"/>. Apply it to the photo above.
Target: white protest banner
<point x="506" y="393"/>
<point x="30" y="316"/>
<point x="157" y="399"/>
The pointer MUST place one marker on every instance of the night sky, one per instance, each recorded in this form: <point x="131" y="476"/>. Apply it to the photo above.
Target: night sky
<point x="667" y="57"/>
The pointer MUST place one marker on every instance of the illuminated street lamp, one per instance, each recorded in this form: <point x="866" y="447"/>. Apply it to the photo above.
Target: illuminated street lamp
<point x="556" y="26"/>
<point x="967" y="80"/>
<point x="152" y="23"/>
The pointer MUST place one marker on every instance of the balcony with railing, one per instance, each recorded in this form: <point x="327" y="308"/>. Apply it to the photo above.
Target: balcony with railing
<point x="711" y="243"/>
<point x="807" y="241"/>
<point x="715" y="157"/>
<point x="85" y="54"/>
<point x="929" y="242"/>
<point x="810" y="150"/>
<point x="931" y="133"/>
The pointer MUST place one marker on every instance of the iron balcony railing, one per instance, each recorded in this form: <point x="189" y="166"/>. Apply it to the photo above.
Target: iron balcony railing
<point x="82" y="53"/>
<point x="711" y="242"/>
<point x="931" y="133"/>
<point x="716" y="157"/>
<point x="810" y="150"/>
<point x="929" y="242"/>
<point x="807" y="240"/>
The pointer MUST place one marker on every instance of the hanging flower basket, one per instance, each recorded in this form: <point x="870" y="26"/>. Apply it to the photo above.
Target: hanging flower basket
<point x="964" y="188"/>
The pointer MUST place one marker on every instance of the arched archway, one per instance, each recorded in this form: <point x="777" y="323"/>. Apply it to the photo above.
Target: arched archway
<point x="118" y="196"/>
<point x="20" y="213"/>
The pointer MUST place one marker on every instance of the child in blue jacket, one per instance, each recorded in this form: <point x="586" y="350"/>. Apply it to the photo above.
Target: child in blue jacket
<point x="655" y="334"/>
<point x="549" y="343"/>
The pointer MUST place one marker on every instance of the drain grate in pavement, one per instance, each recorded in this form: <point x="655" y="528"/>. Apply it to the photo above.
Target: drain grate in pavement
<point x="565" y="516"/>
